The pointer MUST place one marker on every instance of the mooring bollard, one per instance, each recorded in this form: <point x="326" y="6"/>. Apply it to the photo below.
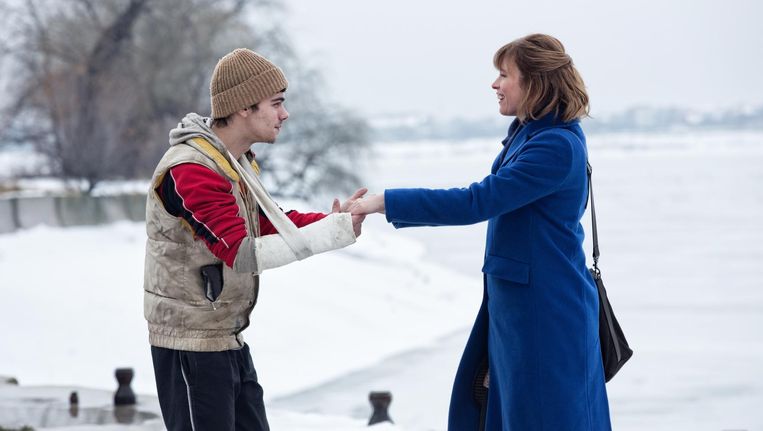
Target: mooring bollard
<point x="73" y="404"/>
<point x="124" y="395"/>
<point x="380" y="401"/>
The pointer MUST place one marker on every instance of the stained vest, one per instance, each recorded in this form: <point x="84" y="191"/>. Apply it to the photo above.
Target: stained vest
<point x="178" y="313"/>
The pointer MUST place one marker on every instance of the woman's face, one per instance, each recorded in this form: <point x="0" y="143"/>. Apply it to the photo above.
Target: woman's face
<point x="507" y="87"/>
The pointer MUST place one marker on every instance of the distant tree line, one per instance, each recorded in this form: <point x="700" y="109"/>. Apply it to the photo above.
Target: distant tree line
<point x="97" y="84"/>
<point x="634" y="119"/>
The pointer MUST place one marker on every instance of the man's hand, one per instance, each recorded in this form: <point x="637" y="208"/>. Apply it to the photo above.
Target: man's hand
<point x="345" y="207"/>
<point x="357" y="223"/>
<point x="368" y="205"/>
<point x="357" y="220"/>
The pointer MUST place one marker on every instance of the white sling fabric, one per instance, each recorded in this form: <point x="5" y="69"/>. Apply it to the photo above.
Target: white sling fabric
<point x="288" y="231"/>
<point x="330" y="233"/>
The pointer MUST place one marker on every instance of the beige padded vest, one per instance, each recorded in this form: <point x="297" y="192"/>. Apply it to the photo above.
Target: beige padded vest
<point x="179" y="315"/>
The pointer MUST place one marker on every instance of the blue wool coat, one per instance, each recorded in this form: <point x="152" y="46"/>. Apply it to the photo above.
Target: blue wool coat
<point x="538" y="323"/>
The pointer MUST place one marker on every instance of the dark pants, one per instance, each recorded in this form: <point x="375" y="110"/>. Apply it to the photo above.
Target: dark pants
<point x="216" y="391"/>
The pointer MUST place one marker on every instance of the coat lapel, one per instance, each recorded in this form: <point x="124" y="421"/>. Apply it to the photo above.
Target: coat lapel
<point x="514" y="130"/>
<point x="516" y="144"/>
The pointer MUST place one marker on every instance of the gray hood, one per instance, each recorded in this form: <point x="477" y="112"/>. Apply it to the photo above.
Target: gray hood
<point x="195" y="126"/>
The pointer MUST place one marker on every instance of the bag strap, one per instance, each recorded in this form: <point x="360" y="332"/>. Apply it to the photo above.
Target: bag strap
<point x="595" y="233"/>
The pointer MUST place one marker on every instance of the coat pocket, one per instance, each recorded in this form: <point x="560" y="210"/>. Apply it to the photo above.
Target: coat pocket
<point x="507" y="269"/>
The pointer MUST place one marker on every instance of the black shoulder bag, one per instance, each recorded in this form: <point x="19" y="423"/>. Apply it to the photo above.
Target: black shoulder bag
<point x="615" y="351"/>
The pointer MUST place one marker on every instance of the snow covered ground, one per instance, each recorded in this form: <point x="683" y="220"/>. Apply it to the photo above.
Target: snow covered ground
<point x="73" y="310"/>
<point x="681" y="232"/>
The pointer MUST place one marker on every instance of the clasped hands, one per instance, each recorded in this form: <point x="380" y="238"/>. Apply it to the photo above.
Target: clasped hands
<point x="359" y="206"/>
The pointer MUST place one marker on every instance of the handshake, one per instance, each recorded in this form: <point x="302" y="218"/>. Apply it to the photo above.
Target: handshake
<point x="359" y="206"/>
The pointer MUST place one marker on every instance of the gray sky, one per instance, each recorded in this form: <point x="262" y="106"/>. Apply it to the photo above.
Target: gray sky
<point x="435" y="57"/>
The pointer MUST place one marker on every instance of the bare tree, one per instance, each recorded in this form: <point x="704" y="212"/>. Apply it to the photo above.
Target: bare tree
<point x="67" y="103"/>
<point x="100" y="83"/>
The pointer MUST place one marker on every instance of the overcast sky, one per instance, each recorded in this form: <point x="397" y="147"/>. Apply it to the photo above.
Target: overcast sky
<point x="435" y="57"/>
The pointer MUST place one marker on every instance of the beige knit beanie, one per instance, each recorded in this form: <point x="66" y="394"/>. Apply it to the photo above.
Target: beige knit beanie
<point x="241" y="79"/>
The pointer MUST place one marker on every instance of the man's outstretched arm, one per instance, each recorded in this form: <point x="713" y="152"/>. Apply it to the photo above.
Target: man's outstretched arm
<point x="205" y="200"/>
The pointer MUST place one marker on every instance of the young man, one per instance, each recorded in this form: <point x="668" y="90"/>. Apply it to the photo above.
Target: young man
<point x="208" y="240"/>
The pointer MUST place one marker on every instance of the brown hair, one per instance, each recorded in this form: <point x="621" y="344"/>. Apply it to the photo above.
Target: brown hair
<point x="549" y="79"/>
<point x="223" y="121"/>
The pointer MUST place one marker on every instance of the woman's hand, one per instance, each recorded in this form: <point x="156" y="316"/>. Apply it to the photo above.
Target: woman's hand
<point x="368" y="205"/>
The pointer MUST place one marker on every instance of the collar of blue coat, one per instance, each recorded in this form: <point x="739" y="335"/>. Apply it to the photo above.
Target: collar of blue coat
<point x="533" y="127"/>
<point x="520" y="132"/>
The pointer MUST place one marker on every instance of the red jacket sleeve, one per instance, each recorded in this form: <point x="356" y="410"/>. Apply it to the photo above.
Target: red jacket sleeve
<point x="205" y="200"/>
<point x="299" y="219"/>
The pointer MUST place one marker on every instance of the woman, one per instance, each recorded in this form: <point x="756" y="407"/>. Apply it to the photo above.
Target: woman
<point x="536" y="334"/>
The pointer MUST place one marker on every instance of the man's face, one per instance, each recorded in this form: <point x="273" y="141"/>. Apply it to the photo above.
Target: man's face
<point x="265" y="123"/>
